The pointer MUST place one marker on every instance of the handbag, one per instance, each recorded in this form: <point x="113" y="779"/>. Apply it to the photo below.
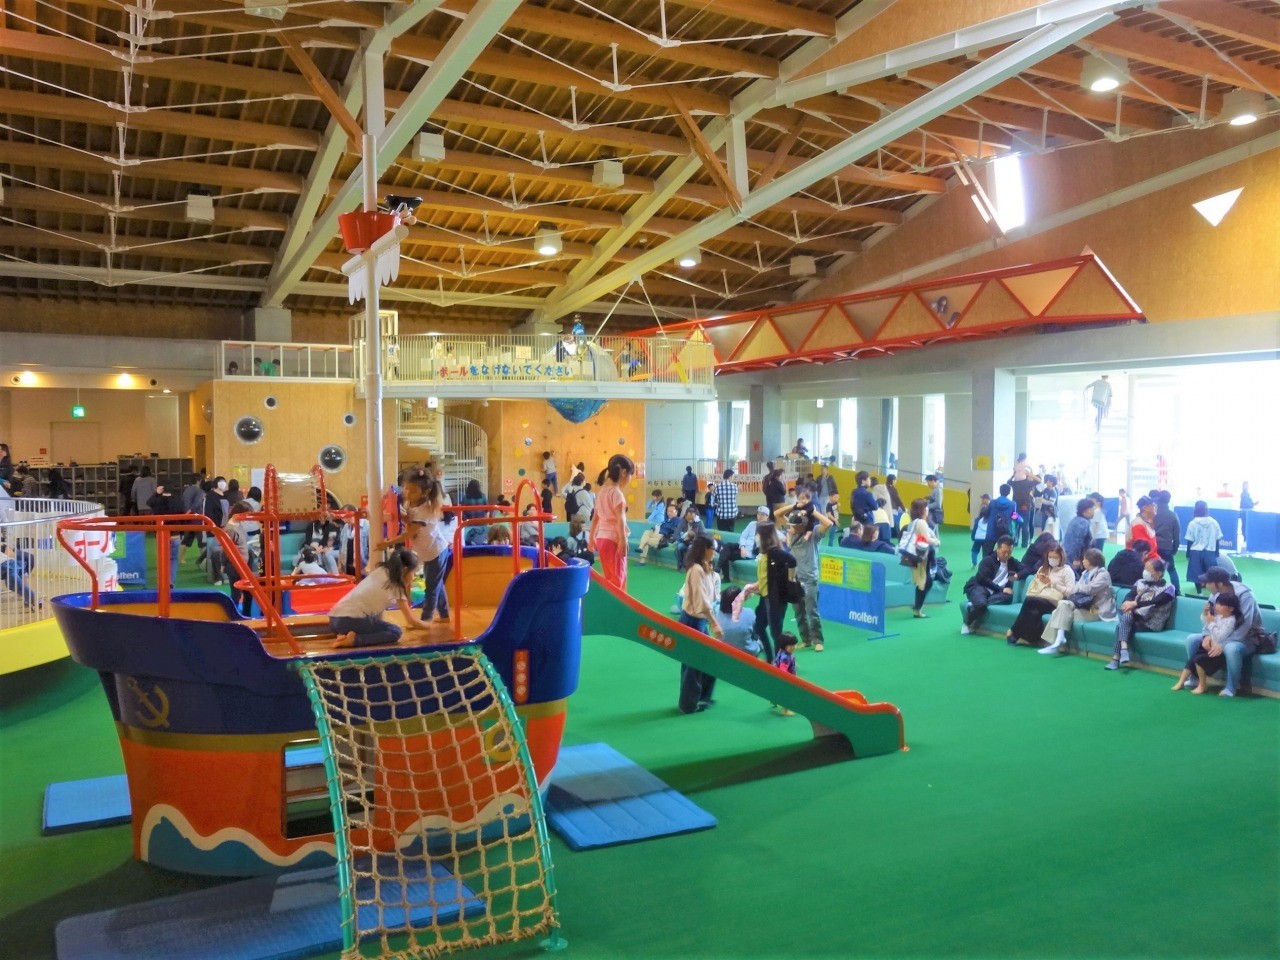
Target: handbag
<point x="793" y="591"/>
<point x="1081" y="601"/>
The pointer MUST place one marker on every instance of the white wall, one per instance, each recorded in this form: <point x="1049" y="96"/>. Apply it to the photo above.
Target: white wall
<point x="678" y="431"/>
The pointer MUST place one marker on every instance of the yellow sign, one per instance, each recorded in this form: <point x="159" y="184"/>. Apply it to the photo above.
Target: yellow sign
<point x="982" y="463"/>
<point x="857" y="575"/>
<point x="831" y="570"/>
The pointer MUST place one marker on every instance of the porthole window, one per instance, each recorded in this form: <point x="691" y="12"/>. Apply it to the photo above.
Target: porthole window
<point x="249" y="429"/>
<point x="349" y="419"/>
<point x="271" y="403"/>
<point x="333" y="458"/>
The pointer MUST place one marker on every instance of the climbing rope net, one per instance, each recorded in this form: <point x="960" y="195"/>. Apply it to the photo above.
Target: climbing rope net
<point x="439" y="828"/>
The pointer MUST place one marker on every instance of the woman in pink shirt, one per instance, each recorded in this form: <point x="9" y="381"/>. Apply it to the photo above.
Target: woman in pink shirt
<point x="608" y="537"/>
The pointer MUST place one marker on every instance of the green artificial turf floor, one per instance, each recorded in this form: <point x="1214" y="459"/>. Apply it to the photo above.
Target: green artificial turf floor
<point x="1046" y="808"/>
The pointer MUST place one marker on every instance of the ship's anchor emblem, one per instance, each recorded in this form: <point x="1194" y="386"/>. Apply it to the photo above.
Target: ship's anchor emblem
<point x="151" y="713"/>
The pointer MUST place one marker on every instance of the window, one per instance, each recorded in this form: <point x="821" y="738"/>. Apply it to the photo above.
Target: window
<point x="1011" y="210"/>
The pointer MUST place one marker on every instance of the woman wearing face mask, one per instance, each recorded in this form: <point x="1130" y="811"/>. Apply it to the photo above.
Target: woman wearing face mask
<point x="1052" y="583"/>
<point x="1148" y="607"/>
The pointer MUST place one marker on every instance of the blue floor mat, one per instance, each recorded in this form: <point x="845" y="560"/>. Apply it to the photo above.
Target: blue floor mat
<point x="282" y="917"/>
<point x="104" y="801"/>
<point x="85" y="804"/>
<point x="599" y="798"/>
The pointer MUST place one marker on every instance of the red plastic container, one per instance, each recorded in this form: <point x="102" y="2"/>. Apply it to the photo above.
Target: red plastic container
<point x="361" y="229"/>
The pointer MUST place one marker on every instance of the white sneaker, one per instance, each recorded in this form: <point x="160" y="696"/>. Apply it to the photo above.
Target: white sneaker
<point x="1052" y="648"/>
<point x="964" y="630"/>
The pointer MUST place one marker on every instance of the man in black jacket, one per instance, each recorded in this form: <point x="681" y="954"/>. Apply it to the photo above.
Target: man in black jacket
<point x="1168" y="533"/>
<point x="992" y="584"/>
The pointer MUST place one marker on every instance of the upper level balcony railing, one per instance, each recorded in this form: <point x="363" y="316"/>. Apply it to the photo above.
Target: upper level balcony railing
<point x="257" y="359"/>
<point x="534" y="365"/>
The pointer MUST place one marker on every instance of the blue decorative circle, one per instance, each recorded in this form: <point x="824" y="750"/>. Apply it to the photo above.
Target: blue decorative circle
<point x="578" y="409"/>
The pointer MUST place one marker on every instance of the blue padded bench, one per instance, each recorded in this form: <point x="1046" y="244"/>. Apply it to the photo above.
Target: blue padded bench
<point x="1166" y="650"/>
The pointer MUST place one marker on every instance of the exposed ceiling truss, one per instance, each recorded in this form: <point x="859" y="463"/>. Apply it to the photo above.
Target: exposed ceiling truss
<point x="753" y="131"/>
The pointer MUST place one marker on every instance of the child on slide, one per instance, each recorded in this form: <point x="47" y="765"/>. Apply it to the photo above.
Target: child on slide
<point x="357" y="617"/>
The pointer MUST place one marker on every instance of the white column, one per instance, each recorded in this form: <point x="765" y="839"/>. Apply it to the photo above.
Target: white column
<point x="871" y="454"/>
<point x="993" y="423"/>
<point x="375" y="120"/>
<point x="911" y="438"/>
<point x="958" y="466"/>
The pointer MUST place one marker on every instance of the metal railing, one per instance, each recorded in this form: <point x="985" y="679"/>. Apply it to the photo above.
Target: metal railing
<point x="32" y="568"/>
<point x="457" y="447"/>
<point x="748" y="474"/>
<point x="258" y="359"/>
<point x="528" y="358"/>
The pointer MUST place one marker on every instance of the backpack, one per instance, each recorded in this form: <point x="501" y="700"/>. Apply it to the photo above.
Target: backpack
<point x="571" y="502"/>
<point x="1000" y="525"/>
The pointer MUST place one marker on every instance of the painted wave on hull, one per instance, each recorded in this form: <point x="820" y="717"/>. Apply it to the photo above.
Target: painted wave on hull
<point x="169" y="839"/>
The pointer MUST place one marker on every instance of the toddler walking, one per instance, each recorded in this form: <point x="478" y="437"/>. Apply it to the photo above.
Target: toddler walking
<point x="785" y="660"/>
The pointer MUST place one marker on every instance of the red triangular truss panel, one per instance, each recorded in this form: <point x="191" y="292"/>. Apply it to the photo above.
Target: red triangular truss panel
<point x="1036" y="290"/>
<point x="1002" y="302"/>
<point x="868" y="316"/>
<point x="832" y="333"/>
<point x="796" y="326"/>
<point x="911" y="319"/>
<point x="993" y="305"/>
<point x="762" y="342"/>
<point x="726" y="337"/>
<point x="1092" y="293"/>
<point x="950" y="301"/>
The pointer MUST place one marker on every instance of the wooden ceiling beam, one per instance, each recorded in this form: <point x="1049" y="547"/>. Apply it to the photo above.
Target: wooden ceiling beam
<point x="40" y="46"/>
<point x="670" y="226"/>
<point x="1096" y="107"/>
<point x="1228" y="19"/>
<point x="507" y="276"/>
<point x="319" y="83"/>
<point x="1184" y="56"/>
<point x="710" y="161"/>
<point x="547" y="73"/>
<point x="1007" y="115"/>
<point x="780" y="153"/>
<point x="225" y="217"/>
<point x="768" y="13"/>
<point x="43" y="105"/>
<point x="14" y="237"/>
<point x="962" y="135"/>
<point x="600" y="32"/>
<point x="518" y="121"/>
<point x="560" y="213"/>
<point x="1068" y="69"/>
<point x="41" y="155"/>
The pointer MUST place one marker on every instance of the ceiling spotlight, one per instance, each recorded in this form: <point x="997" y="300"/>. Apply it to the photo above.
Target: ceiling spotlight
<point x="690" y="259"/>
<point x="549" y="242"/>
<point x="1240" y="107"/>
<point x="1103" y="72"/>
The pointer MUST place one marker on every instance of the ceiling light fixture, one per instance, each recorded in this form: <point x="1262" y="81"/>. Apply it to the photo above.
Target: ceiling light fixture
<point x="1241" y="107"/>
<point x="1103" y="72"/>
<point x="549" y="242"/>
<point x="607" y="174"/>
<point x="690" y="259"/>
<point x="199" y="206"/>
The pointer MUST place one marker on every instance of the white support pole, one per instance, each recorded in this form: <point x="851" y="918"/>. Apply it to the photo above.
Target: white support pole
<point x="375" y="118"/>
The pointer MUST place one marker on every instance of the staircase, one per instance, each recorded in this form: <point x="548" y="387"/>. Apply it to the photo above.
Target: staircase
<point x="456" y="446"/>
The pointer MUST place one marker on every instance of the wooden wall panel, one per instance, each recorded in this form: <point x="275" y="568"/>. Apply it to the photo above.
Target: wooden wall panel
<point x="307" y="417"/>
<point x="1173" y="263"/>
<point x="93" y="318"/>
<point x="618" y="428"/>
